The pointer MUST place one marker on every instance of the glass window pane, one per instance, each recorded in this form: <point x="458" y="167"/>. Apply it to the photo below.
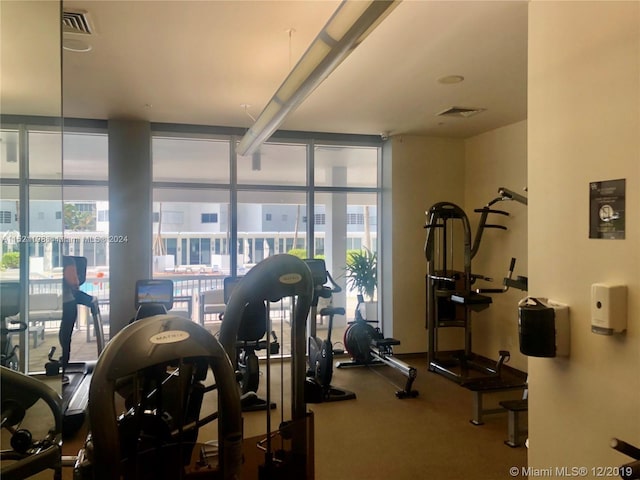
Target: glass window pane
<point x="344" y="222"/>
<point x="204" y="160"/>
<point x="274" y="164"/>
<point x="86" y="228"/>
<point x="45" y="155"/>
<point x="340" y="166"/>
<point x="184" y="248"/>
<point x="86" y="156"/>
<point x="45" y="273"/>
<point x="9" y="166"/>
<point x="9" y="210"/>
<point x="270" y="223"/>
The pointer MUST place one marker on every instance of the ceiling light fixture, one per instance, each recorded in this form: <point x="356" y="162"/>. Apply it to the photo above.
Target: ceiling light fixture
<point x="345" y="30"/>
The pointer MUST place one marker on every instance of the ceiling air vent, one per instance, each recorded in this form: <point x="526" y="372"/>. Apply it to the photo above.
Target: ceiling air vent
<point x="76" y="22"/>
<point x="462" y="112"/>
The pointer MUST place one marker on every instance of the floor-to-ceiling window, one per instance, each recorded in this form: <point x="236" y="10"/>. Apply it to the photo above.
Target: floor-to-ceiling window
<point x="31" y="227"/>
<point x="217" y="214"/>
<point x="346" y="200"/>
<point x="214" y="214"/>
<point x="191" y="215"/>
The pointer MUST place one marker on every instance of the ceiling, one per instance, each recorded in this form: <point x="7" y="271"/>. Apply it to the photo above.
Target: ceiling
<point x="199" y="62"/>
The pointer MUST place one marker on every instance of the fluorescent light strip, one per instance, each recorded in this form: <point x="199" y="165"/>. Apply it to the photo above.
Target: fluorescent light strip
<point x="347" y="27"/>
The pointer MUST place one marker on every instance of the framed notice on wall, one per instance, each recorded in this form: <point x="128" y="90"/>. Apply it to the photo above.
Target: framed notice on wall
<point x="607" y="209"/>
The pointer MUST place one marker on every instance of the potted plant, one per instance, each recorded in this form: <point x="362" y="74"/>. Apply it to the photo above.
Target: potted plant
<point x="362" y="276"/>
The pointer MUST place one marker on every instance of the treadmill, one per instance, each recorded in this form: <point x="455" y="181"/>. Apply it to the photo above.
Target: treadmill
<point x="75" y="394"/>
<point x="153" y="297"/>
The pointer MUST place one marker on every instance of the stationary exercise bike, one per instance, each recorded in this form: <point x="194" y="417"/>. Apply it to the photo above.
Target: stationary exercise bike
<point x="318" y="386"/>
<point x="368" y="347"/>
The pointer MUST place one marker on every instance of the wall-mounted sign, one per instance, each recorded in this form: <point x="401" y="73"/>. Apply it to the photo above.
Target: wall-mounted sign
<point x="606" y="209"/>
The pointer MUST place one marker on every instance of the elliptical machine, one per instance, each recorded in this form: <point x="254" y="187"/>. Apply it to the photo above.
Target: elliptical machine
<point x="318" y="386"/>
<point x="368" y="347"/>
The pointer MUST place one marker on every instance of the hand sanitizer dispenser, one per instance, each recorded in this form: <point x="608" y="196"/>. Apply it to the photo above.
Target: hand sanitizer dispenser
<point x="608" y="308"/>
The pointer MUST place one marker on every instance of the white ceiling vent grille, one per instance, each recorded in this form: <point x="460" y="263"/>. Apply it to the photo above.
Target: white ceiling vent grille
<point x="76" y="22"/>
<point x="461" y="112"/>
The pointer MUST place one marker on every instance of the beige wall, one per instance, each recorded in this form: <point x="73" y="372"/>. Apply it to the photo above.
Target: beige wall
<point x="583" y="126"/>
<point x="492" y="160"/>
<point x="423" y="171"/>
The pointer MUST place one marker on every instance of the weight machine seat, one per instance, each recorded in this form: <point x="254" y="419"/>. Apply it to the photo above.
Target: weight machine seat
<point x="253" y="324"/>
<point x="470" y="298"/>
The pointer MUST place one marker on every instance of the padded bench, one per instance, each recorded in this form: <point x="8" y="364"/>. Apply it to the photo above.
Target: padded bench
<point x="483" y="386"/>
<point x="515" y="408"/>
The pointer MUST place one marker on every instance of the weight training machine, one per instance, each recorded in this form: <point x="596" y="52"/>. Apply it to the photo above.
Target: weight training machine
<point x="450" y="294"/>
<point x="156" y="384"/>
<point x="285" y="452"/>
<point x="368" y="347"/>
<point x="630" y="470"/>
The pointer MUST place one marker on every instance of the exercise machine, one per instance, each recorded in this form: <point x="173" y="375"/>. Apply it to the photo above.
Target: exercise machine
<point x="251" y="333"/>
<point x="9" y="307"/>
<point x="630" y="470"/>
<point x="75" y="393"/>
<point x="320" y="353"/>
<point x="450" y="293"/>
<point x="153" y="297"/>
<point x="29" y="456"/>
<point x="284" y="452"/>
<point x="368" y="347"/>
<point x="147" y="405"/>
